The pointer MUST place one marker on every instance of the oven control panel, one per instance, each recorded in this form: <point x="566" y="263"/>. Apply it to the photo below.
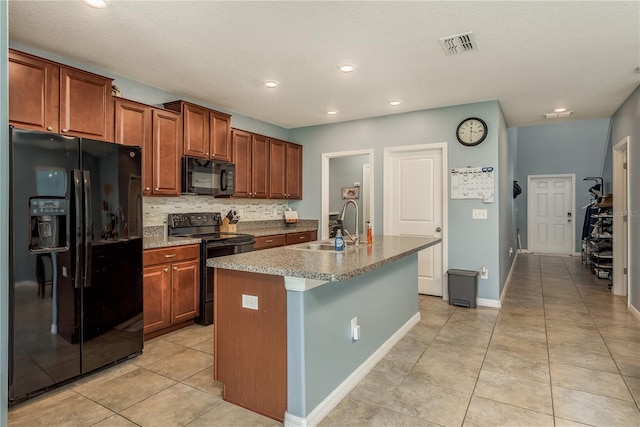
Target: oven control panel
<point x="194" y="219"/>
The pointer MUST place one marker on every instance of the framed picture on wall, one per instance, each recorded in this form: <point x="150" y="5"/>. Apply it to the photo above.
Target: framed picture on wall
<point x="350" y="192"/>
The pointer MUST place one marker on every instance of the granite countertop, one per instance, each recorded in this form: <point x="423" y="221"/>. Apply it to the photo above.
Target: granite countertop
<point x="154" y="236"/>
<point x="298" y="228"/>
<point x="164" y="242"/>
<point x="295" y="261"/>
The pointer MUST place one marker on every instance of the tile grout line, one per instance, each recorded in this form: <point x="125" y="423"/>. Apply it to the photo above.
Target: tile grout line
<point x="605" y="343"/>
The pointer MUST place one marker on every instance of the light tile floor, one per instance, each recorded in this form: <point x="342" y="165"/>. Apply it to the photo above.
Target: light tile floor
<point x="561" y="351"/>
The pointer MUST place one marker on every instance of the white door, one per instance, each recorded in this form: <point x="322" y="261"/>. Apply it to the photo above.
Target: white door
<point x="550" y="214"/>
<point x="413" y="206"/>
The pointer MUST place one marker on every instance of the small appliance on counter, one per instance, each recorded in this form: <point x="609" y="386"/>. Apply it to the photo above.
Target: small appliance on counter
<point x="290" y="217"/>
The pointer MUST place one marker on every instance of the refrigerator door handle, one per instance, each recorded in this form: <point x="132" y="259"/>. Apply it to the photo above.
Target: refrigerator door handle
<point x="88" y="228"/>
<point x="77" y="229"/>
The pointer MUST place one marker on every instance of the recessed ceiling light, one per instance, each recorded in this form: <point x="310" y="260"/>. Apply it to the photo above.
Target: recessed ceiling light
<point x="332" y="112"/>
<point x="346" y="68"/>
<point x="271" y="83"/>
<point x="394" y="103"/>
<point x="98" y="4"/>
<point x="560" y="110"/>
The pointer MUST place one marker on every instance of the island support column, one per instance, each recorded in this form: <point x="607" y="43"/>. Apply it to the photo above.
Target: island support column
<point x="324" y="362"/>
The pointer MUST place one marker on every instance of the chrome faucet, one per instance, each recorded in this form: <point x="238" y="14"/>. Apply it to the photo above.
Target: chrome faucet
<point x="355" y="238"/>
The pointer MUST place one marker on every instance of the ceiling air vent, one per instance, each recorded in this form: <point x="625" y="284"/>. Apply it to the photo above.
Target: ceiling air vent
<point x="460" y="43"/>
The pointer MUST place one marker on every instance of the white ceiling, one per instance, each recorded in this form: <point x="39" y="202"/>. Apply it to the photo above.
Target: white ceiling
<point x="531" y="56"/>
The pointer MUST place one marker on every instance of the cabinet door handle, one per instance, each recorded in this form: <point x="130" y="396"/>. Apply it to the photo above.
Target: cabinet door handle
<point x="157" y="188"/>
<point x="65" y="130"/>
<point x="49" y="128"/>
<point x="175" y="268"/>
<point x="166" y="270"/>
<point x="170" y="256"/>
<point x="147" y="188"/>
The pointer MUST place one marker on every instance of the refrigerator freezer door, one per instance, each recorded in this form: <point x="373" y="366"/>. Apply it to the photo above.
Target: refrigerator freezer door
<point x="42" y="299"/>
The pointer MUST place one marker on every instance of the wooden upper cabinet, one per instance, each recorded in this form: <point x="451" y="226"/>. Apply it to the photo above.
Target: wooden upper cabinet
<point x="277" y="172"/>
<point x="158" y="132"/>
<point x="251" y="157"/>
<point x="34" y="93"/>
<point x="132" y="123"/>
<point x="86" y="106"/>
<point x="294" y="171"/>
<point x="47" y="96"/>
<point x="167" y="132"/>
<point x="260" y="166"/>
<point x="242" y="160"/>
<point x="285" y="175"/>
<point x="221" y="136"/>
<point x="206" y="133"/>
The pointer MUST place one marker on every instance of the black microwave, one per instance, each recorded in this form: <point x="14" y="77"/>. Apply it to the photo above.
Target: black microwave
<point x="207" y="177"/>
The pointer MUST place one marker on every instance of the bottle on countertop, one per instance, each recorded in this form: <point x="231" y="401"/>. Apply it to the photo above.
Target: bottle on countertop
<point x="339" y="241"/>
<point x="369" y="233"/>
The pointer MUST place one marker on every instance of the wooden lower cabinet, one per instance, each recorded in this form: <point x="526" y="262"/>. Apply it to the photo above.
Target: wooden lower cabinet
<point x="305" y="236"/>
<point x="250" y="346"/>
<point x="171" y="281"/>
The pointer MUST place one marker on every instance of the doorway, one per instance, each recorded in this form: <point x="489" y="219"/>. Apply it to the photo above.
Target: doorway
<point x="550" y="214"/>
<point x="365" y="193"/>
<point x="621" y="219"/>
<point x="415" y="204"/>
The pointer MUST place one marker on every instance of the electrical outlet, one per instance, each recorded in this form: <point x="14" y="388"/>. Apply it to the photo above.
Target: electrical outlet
<point x="250" y="302"/>
<point x="484" y="273"/>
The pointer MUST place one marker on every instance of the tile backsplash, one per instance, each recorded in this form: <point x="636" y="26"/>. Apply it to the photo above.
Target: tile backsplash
<point x="156" y="209"/>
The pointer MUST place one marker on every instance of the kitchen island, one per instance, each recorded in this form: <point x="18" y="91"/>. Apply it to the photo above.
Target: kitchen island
<point x="284" y="341"/>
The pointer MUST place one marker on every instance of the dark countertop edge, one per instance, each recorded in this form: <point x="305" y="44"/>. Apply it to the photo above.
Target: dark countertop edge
<point x="315" y="275"/>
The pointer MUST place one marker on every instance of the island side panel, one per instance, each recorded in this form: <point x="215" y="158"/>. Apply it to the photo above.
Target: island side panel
<point x="383" y="300"/>
<point x="250" y="356"/>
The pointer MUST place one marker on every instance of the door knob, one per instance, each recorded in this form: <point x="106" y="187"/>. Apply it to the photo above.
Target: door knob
<point x="438" y="229"/>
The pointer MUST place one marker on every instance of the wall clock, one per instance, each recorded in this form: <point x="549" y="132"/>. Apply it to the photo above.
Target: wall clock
<point x="471" y="131"/>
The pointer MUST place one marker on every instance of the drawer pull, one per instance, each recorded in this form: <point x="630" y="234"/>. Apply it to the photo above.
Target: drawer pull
<point x="170" y="256"/>
<point x="303" y="237"/>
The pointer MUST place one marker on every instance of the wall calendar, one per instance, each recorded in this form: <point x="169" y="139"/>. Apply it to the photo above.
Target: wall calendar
<point x="472" y="183"/>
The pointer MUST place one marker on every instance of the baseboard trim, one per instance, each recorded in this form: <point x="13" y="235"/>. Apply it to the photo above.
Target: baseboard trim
<point x="486" y="302"/>
<point x="634" y="311"/>
<point x="335" y="397"/>
<point x="508" y="280"/>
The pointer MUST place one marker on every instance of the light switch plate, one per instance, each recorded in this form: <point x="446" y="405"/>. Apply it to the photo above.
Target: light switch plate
<point x="479" y="214"/>
<point x="250" y="302"/>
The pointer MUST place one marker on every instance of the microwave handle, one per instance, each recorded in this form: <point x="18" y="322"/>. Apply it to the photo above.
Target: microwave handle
<point x="224" y="180"/>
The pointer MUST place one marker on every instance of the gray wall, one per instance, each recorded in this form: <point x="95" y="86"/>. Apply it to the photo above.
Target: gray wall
<point x="507" y="227"/>
<point x="576" y="147"/>
<point x="320" y="351"/>
<point x="343" y="172"/>
<point x="626" y="122"/>
<point x="472" y="243"/>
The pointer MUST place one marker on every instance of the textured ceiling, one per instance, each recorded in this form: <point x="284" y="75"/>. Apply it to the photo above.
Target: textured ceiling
<point x="531" y="56"/>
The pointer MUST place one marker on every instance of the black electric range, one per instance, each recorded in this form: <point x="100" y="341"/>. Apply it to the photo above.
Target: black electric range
<point x="206" y="226"/>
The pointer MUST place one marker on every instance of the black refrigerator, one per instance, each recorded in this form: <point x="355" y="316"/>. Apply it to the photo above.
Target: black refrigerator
<point x="75" y="291"/>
